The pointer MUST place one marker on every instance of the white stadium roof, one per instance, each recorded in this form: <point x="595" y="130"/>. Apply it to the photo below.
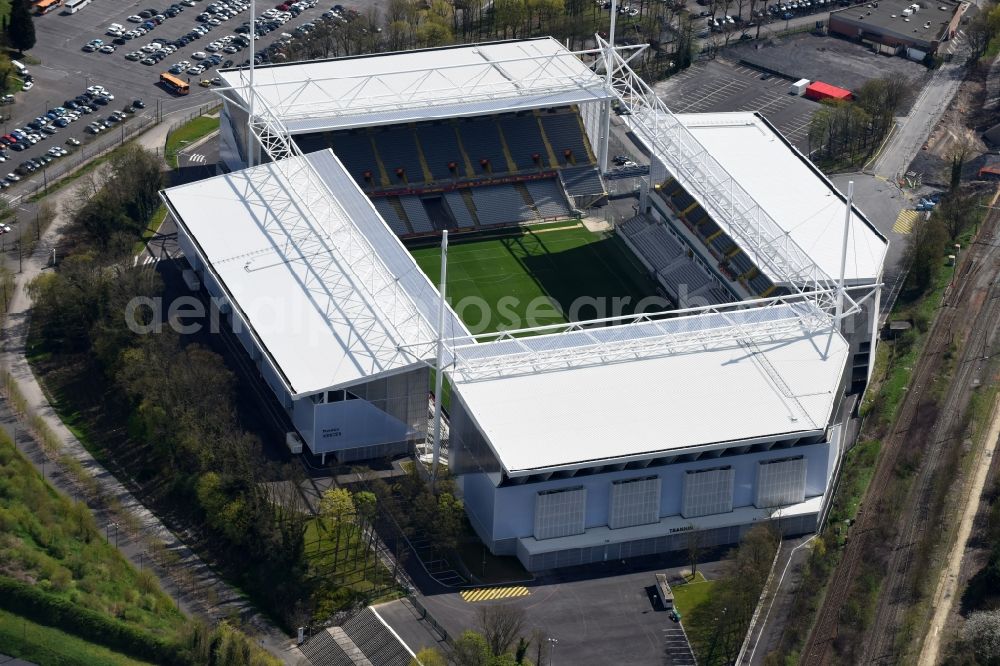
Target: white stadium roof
<point x="326" y="287"/>
<point x="636" y="409"/>
<point x="796" y="195"/>
<point x="425" y="84"/>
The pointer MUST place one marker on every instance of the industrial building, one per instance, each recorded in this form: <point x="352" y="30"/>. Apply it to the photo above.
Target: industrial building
<point x="575" y="442"/>
<point x="900" y="27"/>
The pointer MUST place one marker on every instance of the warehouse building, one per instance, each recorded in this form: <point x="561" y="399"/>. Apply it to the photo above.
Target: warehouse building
<point x="900" y="27"/>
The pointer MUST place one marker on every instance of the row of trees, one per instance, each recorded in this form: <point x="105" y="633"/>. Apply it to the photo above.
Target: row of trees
<point x="847" y="133"/>
<point x="20" y="28"/>
<point x="184" y="443"/>
<point x="410" y="24"/>
<point x="979" y="642"/>
<point x="982" y="34"/>
<point x="730" y="607"/>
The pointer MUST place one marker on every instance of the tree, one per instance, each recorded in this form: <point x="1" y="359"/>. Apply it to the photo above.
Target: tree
<point x="924" y="249"/>
<point x="428" y="657"/>
<point x="541" y="646"/>
<point x="469" y="649"/>
<point x="336" y="507"/>
<point x="366" y="505"/>
<point x="500" y="626"/>
<point x="21" y="26"/>
<point x="693" y="550"/>
<point x="982" y="634"/>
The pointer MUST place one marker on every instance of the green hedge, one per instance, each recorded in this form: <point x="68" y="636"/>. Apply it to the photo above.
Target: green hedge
<point x="24" y="600"/>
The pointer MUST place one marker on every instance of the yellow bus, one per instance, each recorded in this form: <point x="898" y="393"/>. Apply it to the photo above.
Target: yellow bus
<point x="46" y="6"/>
<point x="174" y="84"/>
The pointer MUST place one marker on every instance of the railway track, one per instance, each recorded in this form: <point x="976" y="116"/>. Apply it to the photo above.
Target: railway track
<point x="970" y="312"/>
<point x="898" y="589"/>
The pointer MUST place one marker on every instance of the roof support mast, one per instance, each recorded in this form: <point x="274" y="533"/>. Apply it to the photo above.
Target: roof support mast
<point x="606" y="116"/>
<point x="843" y="252"/>
<point x="438" y="369"/>
<point x="253" y="55"/>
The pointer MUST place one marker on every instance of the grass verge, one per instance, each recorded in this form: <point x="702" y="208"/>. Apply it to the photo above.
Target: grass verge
<point x="154" y="223"/>
<point x="187" y="133"/>
<point x="22" y="638"/>
<point x="687" y="599"/>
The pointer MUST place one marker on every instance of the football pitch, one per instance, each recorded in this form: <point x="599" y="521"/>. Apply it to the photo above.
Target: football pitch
<point x="538" y="276"/>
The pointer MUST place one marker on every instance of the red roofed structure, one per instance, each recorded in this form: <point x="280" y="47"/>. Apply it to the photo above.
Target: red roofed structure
<point x="818" y="91"/>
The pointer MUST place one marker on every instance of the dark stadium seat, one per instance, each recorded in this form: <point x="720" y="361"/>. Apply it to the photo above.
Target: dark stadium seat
<point x="482" y="141"/>
<point x="440" y="146"/>
<point x="386" y="208"/>
<point x="354" y="149"/>
<point x="548" y="197"/>
<point x="501" y="204"/>
<point x="564" y="132"/>
<point x="582" y="181"/>
<point x="524" y="140"/>
<point x="416" y="214"/>
<point x="459" y="210"/>
<point x="398" y="150"/>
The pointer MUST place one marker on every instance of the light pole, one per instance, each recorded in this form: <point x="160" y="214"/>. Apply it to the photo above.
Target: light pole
<point x="552" y="647"/>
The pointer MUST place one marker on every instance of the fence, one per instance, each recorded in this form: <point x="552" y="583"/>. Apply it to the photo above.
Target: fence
<point x="425" y="615"/>
<point x="70" y="164"/>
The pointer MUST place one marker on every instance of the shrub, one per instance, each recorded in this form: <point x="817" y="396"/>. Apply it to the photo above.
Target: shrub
<point x="22" y="599"/>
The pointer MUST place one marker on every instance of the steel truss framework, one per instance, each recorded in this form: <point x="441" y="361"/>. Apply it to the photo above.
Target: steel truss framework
<point x="343" y="272"/>
<point x="429" y="88"/>
<point x="327" y="239"/>
<point x="715" y="189"/>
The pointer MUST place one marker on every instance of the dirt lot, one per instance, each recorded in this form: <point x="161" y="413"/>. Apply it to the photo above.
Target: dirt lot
<point x="830" y="59"/>
<point x="954" y="133"/>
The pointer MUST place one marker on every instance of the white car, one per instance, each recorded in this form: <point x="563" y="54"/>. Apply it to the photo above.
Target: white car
<point x="199" y="55"/>
<point x="107" y="48"/>
<point x="134" y="19"/>
<point x="28" y="85"/>
<point x="114" y="32"/>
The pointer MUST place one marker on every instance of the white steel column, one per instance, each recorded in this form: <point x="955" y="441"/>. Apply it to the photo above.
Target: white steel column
<point x="253" y="55"/>
<point x="602" y="156"/>
<point x="843" y="252"/>
<point x="439" y="371"/>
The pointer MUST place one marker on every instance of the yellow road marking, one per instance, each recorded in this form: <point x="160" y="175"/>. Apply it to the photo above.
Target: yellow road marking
<point x="489" y="593"/>
<point x="906" y="221"/>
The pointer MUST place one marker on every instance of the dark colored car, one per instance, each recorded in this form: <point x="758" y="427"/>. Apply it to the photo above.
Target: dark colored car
<point x="138" y="104"/>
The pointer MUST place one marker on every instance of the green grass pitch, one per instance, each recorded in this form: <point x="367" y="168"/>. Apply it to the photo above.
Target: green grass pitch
<point x="533" y="276"/>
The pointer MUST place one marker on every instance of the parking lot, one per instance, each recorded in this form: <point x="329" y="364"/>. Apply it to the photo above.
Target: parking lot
<point x="65" y="70"/>
<point x="830" y="59"/>
<point x="722" y="86"/>
<point x="598" y="614"/>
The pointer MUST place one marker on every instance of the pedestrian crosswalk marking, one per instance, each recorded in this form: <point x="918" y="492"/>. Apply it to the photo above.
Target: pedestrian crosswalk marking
<point x="490" y="593"/>
<point x="906" y="221"/>
<point x="196" y="157"/>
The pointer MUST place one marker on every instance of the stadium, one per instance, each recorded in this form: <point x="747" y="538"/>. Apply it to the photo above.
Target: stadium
<point x="610" y="389"/>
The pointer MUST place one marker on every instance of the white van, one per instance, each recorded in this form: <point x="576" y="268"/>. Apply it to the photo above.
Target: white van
<point x="21" y="69"/>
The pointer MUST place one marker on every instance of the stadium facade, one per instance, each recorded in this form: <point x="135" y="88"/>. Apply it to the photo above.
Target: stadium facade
<point x="571" y="443"/>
